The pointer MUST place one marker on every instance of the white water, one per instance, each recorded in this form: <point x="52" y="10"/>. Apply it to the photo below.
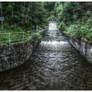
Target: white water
<point x="57" y="43"/>
<point x="52" y="26"/>
<point x="54" y="45"/>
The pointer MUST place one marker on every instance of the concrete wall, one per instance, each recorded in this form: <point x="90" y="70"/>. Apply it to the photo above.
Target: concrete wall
<point x="82" y="46"/>
<point x="14" y="55"/>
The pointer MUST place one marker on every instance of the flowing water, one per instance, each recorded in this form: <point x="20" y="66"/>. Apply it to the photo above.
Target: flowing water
<point x="55" y="65"/>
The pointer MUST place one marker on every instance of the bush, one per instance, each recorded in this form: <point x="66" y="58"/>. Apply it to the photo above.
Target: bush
<point x="74" y="31"/>
<point x="81" y="30"/>
<point x="36" y="36"/>
<point x="75" y="19"/>
<point x="16" y="34"/>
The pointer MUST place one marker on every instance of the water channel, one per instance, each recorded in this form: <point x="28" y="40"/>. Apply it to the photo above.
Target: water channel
<point x="54" y="65"/>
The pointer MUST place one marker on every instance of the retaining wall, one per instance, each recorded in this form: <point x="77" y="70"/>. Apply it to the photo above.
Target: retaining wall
<point x="82" y="46"/>
<point x="14" y="55"/>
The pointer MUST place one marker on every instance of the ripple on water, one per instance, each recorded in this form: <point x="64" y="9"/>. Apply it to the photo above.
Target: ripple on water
<point x="54" y="65"/>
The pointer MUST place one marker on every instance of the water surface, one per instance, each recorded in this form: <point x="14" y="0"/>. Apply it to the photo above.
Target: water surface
<point x="54" y="65"/>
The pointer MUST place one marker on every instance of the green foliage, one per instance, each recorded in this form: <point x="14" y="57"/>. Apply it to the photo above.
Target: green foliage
<point x="74" y="30"/>
<point x="16" y="34"/>
<point x="36" y="36"/>
<point x="11" y="37"/>
<point x="75" y="19"/>
<point x="23" y="16"/>
<point x="11" y="28"/>
<point x="52" y="18"/>
<point x="81" y="30"/>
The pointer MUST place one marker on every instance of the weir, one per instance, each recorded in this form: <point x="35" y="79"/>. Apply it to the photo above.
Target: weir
<point x="54" y="40"/>
<point x="55" y="64"/>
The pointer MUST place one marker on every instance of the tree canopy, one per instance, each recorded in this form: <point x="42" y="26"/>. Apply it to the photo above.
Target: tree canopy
<point x="24" y="14"/>
<point x="75" y="19"/>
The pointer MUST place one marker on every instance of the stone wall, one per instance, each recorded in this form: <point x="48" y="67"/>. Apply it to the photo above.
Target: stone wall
<point x="14" y="55"/>
<point x="82" y="46"/>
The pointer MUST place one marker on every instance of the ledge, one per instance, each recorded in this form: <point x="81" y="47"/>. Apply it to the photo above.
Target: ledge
<point x="82" y="46"/>
<point x="14" y="55"/>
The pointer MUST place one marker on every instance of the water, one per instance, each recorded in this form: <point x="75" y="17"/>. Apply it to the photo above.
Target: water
<point x="54" y="65"/>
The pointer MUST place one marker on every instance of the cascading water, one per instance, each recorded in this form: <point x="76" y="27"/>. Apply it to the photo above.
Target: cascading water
<point x="54" y="41"/>
<point x="53" y="65"/>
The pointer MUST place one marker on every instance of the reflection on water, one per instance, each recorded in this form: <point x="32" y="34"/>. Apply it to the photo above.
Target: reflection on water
<point x="53" y="65"/>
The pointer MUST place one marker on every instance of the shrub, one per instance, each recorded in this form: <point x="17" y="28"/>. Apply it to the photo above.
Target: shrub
<point x="74" y="31"/>
<point x="36" y="36"/>
<point x="16" y="34"/>
<point x="75" y="19"/>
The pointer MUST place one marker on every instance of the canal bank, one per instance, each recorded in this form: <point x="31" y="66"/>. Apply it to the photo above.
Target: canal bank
<point x="14" y="55"/>
<point x="54" y="65"/>
<point x="84" y="48"/>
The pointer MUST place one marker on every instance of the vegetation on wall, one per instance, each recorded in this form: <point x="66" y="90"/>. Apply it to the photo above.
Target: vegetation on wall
<point x="75" y="19"/>
<point x="23" y="17"/>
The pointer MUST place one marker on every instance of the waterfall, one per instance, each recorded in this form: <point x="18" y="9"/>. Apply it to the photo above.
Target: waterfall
<point x="54" y="41"/>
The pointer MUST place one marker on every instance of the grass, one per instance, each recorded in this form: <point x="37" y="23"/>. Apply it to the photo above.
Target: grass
<point x="13" y="34"/>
